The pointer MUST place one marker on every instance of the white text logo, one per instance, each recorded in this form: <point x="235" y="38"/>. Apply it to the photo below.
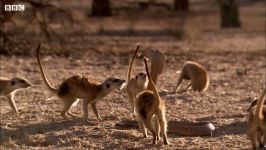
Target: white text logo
<point x="18" y="7"/>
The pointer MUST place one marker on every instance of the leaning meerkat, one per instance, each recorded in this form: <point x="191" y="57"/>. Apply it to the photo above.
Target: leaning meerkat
<point x="80" y="87"/>
<point x="257" y="123"/>
<point x="157" y="64"/>
<point x="8" y="88"/>
<point x="150" y="108"/>
<point x="135" y="85"/>
<point x="197" y="74"/>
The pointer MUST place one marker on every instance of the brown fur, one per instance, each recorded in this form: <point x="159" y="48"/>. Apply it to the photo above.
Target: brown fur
<point x="157" y="64"/>
<point x="8" y="88"/>
<point x="257" y="123"/>
<point x="135" y="85"/>
<point x="197" y="74"/>
<point x="80" y="87"/>
<point x="150" y="108"/>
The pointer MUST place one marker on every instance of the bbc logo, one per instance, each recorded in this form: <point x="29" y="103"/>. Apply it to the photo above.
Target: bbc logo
<point x="14" y="7"/>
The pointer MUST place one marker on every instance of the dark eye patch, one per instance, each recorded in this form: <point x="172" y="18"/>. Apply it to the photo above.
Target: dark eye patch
<point x="22" y="81"/>
<point x="116" y="80"/>
<point x="107" y="85"/>
<point x="13" y="82"/>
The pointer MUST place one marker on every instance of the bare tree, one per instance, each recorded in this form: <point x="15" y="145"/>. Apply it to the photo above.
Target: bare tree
<point x="101" y="8"/>
<point x="229" y="14"/>
<point x="181" y="5"/>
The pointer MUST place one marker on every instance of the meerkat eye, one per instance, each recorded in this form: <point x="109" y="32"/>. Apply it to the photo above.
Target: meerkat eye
<point x="12" y="82"/>
<point x="107" y="85"/>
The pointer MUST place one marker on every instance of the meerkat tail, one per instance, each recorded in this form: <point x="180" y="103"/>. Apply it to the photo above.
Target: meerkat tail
<point x="131" y="63"/>
<point x="48" y="85"/>
<point x="153" y="88"/>
<point x="259" y="108"/>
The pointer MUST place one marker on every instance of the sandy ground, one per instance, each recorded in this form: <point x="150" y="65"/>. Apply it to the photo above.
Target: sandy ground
<point x="235" y="59"/>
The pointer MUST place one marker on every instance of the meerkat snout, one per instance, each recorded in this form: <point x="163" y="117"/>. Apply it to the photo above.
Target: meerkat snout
<point x="8" y="88"/>
<point x="113" y="83"/>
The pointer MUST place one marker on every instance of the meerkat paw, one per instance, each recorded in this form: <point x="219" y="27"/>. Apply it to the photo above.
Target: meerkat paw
<point x="145" y="135"/>
<point x="73" y="115"/>
<point x="100" y="118"/>
<point x="165" y="141"/>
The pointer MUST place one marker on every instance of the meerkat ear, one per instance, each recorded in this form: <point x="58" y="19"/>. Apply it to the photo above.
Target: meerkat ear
<point x="107" y="85"/>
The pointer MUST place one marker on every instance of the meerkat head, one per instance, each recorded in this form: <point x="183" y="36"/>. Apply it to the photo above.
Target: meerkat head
<point x="18" y="83"/>
<point x="142" y="79"/>
<point x="148" y="52"/>
<point x="112" y="84"/>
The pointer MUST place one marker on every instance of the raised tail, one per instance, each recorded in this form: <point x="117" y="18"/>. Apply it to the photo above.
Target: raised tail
<point x="48" y="85"/>
<point x="152" y="87"/>
<point x="259" y="108"/>
<point x="131" y="63"/>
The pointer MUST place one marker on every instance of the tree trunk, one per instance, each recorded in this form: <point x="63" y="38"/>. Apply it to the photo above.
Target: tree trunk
<point x="229" y="14"/>
<point x="181" y="5"/>
<point x="101" y="8"/>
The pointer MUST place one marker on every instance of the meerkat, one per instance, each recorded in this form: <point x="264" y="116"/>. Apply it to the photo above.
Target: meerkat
<point x="8" y="88"/>
<point x="150" y="108"/>
<point x="157" y="64"/>
<point x="197" y="74"/>
<point x="257" y="123"/>
<point x="136" y="84"/>
<point x="80" y="87"/>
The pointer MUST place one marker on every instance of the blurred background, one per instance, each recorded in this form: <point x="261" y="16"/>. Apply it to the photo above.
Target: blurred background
<point x="113" y="26"/>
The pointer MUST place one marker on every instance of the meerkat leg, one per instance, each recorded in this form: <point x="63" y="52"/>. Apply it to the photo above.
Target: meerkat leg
<point x="253" y="140"/>
<point x="85" y="109"/>
<point x="67" y="104"/>
<point x="131" y="101"/>
<point x="143" y="128"/>
<point x="148" y="124"/>
<point x="12" y="102"/>
<point x="95" y="111"/>
<point x="157" y="127"/>
<point x="260" y="140"/>
<point x="189" y="85"/>
<point x="163" y="126"/>
<point x="178" y="83"/>
<point x="264" y="137"/>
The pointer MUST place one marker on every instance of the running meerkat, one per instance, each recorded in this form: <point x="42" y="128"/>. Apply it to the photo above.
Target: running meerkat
<point x="135" y="85"/>
<point x="150" y="108"/>
<point x="197" y="74"/>
<point x="80" y="87"/>
<point x="157" y="64"/>
<point x="8" y="88"/>
<point x="257" y="123"/>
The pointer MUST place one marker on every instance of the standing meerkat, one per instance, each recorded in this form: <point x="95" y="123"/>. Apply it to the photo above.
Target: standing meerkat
<point x="8" y="88"/>
<point x="157" y="64"/>
<point x="80" y="87"/>
<point x="150" y="108"/>
<point x="135" y="85"/>
<point x="197" y="74"/>
<point x="257" y="123"/>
